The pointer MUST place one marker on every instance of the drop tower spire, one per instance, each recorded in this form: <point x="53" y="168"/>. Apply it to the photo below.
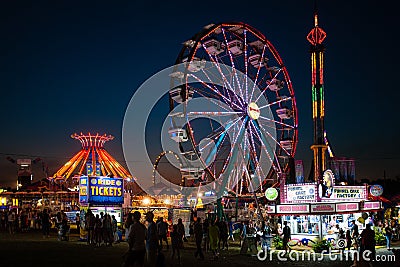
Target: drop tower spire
<point x="316" y="37"/>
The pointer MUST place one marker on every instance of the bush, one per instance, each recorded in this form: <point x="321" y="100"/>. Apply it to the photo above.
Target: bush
<point x="321" y="245"/>
<point x="278" y="242"/>
<point x="380" y="239"/>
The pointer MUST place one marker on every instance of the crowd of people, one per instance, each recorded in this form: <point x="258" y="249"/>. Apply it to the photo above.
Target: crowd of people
<point x="148" y="239"/>
<point x="25" y="220"/>
<point x="101" y="229"/>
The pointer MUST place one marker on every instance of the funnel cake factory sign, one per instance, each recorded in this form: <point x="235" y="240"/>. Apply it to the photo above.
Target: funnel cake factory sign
<point x="101" y="190"/>
<point x="300" y="193"/>
<point x="349" y="193"/>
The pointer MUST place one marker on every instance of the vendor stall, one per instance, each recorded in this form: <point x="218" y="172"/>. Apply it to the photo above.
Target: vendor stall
<point x="101" y="195"/>
<point x="314" y="214"/>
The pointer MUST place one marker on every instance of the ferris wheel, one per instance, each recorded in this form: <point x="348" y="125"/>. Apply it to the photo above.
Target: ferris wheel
<point x="244" y="129"/>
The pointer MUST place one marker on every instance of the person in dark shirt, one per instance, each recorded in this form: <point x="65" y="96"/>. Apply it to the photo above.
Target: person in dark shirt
<point x="176" y="241"/>
<point x="368" y="240"/>
<point x="151" y="239"/>
<point x="348" y="239"/>
<point x="45" y="223"/>
<point x="136" y="241"/>
<point x="181" y="230"/>
<point x="198" y="236"/>
<point x="286" y="236"/>
<point x="162" y="231"/>
<point x="354" y="234"/>
<point x="223" y="234"/>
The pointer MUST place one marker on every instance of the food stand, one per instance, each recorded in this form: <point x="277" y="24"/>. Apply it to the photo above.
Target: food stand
<point x="313" y="212"/>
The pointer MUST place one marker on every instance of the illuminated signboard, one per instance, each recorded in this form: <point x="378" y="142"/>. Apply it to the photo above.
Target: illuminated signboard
<point x="300" y="193"/>
<point x="372" y="205"/>
<point x="293" y="209"/>
<point x="101" y="190"/>
<point x="271" y="194"/>
<point x="348" y="193"/>
<point x="83" y="189"/>
<point x="323" y="208"/>
<point x="343" y="207"/>
<point x="376" y="190"/>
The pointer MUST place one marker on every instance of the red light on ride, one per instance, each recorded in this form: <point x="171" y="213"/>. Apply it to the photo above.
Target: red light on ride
<point x="316" y="35"/>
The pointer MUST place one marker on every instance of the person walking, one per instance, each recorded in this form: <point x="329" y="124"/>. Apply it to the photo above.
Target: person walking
<point x="388" y="235"/>
<point x="45" y="223"/>
<point x="230" y="226"/>
<point x="151" y="239"/>
<point x="136" y="242"/>
<point x="98" y="231"/>
<point x="114" y="224"/>
<point x="78" y="222"/>
<point x="87" y="226"/>
<point x="176" y="243"/>
<point x="206" y="245"/>
<point x="198" y="236"/>
<point x="127" y="225"/>
<point x="108" y="233"/>
<point x="368" y="240"/>
<point x="286" y="236"/>
<point x="348" y="239"/>
<point x="181" y="230"/>
<point x="11" y="222"/>
<point x="3" y="220"/>
<point x="92" y="225"/>
<point x="354" y="234"/>
<point x="213" y="233"/>
<point x="162" y="231"/>
<point x="243" y="238"/>
<point x="223" y="234"/>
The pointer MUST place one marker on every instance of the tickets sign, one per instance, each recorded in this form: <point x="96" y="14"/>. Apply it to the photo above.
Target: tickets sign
<point x="101" y="190"/>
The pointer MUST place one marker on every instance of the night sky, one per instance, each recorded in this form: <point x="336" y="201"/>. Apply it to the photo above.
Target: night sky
<point x="72" y="66"/>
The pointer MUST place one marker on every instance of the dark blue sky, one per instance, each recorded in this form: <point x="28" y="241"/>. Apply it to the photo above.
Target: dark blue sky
<point x="72" y="66"/>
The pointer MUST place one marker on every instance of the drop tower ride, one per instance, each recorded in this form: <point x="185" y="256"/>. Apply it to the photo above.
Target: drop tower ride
<point x="319" y="147"/>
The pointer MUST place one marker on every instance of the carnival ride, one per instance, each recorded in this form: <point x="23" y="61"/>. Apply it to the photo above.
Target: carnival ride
<point x="241" y="77"/>
<point x="91" y="160"/>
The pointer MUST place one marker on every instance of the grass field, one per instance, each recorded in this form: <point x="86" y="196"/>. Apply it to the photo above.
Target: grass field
<point x="30" y="249"/>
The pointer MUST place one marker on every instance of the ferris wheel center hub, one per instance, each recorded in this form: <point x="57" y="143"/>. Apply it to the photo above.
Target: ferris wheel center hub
<point x="253" y="111"/>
